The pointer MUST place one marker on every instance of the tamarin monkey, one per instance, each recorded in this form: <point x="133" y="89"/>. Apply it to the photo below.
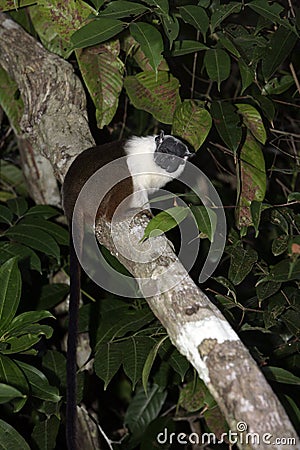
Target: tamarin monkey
<point x="164" y="158"/>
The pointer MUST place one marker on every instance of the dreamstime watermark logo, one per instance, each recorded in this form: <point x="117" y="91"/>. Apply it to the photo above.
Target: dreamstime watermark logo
<point x="92" y="260"/>
<point x="241" y="437"/>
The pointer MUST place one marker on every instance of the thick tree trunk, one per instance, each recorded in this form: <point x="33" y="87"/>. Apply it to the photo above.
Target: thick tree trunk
<point x="55" y="124"/>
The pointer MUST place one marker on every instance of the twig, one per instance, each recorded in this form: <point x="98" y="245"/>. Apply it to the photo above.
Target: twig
<point x="124" y="119"/>
<point x="295" y="76"/>
<point x="194" y="67"/>
<point x="284" y="133"/>
<point x="291" y="8"/>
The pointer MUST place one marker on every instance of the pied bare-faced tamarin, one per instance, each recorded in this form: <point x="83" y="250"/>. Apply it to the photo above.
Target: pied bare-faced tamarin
<point x="163" y="159"/>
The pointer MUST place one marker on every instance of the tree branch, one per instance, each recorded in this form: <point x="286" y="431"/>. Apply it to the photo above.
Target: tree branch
<point x="54" y="119"/>
<point x="55" y="122"/>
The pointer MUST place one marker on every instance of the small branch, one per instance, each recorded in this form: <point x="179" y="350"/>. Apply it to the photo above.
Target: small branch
<point x="194" y="67"/>
<point x="291" y="8"/>
<point x="295" y="76"/>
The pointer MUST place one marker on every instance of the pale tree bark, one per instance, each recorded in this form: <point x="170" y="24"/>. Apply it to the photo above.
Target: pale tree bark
<point x="38" y="172"/>
<point x="55" y="123"/>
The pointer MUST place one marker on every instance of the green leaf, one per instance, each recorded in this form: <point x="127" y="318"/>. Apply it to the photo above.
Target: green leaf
<point x="150" y="41"/>
<point x="39" y="384"/>
<point x="9" y="5"/>
<point x="10" y="293"/>
<point x="195" y="16"/>
<point x="158" y="95"/>
<point x="48" y="409"/>
<point x="206" y="220"/>
<point x="228" y="44"/>
<point x="11" y="103"/>
<point x="27" y="339"/>
<point x="10" y="173"/>
<point x="97" y="3"/>
<point x="251" y="47"/>
<point x="266" y="105"/>
<point x="253" y="180"/>
<point x="280" y="244"/>
<point x="217" y="64"/>
<point x="165" y="221"/>
<point x="161" y="5"/>
<point x="96" y="32"/>
<point x="204" y="3"/>
<point x="227" y="121"/>
<point x="277" y="86"/>
<point x="256" y="208"/>
<point x="6" y="216"/>
<point x="108" y="360"/>
<point x="186" y="47"/>
<point x="192" y="122"/>
<point x="294" y="196"/>
<point x="253" y="121"/>
<point x="11" y="374"/>
<point x="281" y="45"/>
<point x="52" y="294"/>
<point x="215" y="420"/>
<point x="45" y="433"/>
<point x="34" y="224"/>
<point x="275" y="308"/>
<point x="143" y="409"/>
<point x="284" y="271"/>
<point x="191" y="397"/>
<point x="5" y="195"/>
<point x="279" y="220"/>
<point x="122" y="8"/>
<point x="117" y="323"/>
<point x="40" y="240"/>
<point x="247" y="327"/>
<point x="18" y="206"/>
<point x="20" y="17"/>
<point x="44" y="211"/>
<point x="171" y="27"/>
<point x="241" y="263"/>
<point x="20" y="322"/>
<point x="149" y="362"/>
<point x="247" y="74"/>
<point x="102" y="71"/>
<point x="54" y="365"/>
<point x="133" y="49"/>
<point x="228" y="285"/>
<point x="227" y="303"/>
<point x="291" y="406"/>
<point x="136" y="349"/>
<point x="8" y="393"/>
<point x="27" y="257"/>
<point x="270" y="11"/>
<point x="291" y="319"/>
<point x="280" y="375"/>
<point x="10" y="439"/>
<point x="56" y="21"/>
<point x="176" y="360"/>
<point x="222" y="12"/>
<point x="267" y="289"/>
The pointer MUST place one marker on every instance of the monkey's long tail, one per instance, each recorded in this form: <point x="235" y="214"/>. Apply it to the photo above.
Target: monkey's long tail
<point x="71" y="411"/>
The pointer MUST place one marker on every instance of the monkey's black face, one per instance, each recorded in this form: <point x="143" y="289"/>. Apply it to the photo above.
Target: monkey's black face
<point x="170" y="152"/>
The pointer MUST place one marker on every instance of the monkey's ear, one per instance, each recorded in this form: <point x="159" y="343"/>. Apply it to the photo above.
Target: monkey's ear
<point x="160" y="139"/>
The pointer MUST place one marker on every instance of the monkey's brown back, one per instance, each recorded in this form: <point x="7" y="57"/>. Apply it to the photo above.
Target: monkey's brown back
<point x="84" y="166"/>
